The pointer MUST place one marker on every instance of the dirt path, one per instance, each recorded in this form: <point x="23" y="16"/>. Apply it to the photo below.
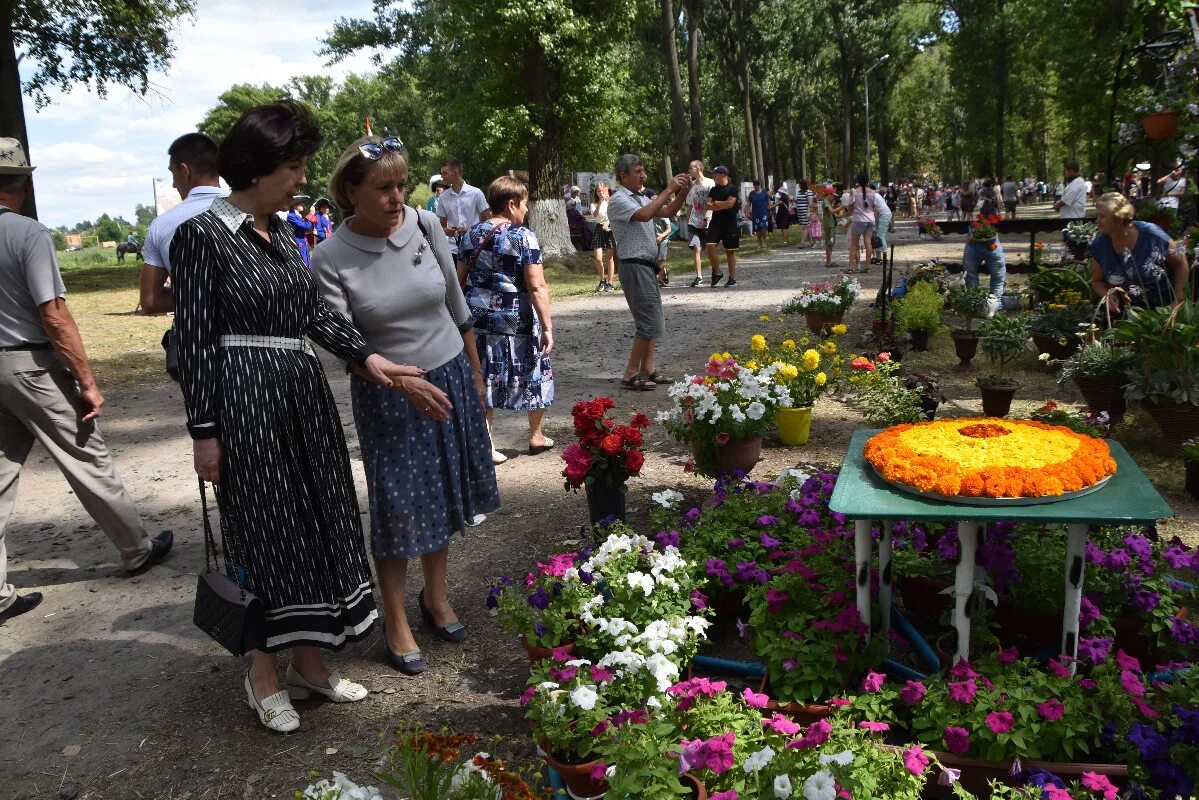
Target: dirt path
<point x="110" y="692"/>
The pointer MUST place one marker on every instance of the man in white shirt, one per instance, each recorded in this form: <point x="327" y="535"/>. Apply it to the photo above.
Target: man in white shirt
<point x="1174" y="186"/>
<point x="697" y="216"/>
<point x="1073" y="204"/>
<point x="193" y="169"/>
<point x="461" y="206"/>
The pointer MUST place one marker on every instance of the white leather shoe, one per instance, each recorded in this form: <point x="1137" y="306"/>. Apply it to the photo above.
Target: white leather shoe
<point x="339" y="690"/>
<point x="497" y="457"/>
<point x="275" y="712"/>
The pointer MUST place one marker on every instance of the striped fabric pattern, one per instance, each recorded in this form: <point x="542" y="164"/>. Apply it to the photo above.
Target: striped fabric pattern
<point x="288" y="509"/>
<point x="803" y="204"/>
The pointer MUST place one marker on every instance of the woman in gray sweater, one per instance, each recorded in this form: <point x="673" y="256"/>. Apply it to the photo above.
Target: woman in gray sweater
<point x="425" y="448"/>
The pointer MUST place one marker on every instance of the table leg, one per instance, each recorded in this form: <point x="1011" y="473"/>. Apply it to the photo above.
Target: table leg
<point x="863" y="547"/>
<point x="884" y="584"/>
<point x="1076" y="561"/>
<point x="969" y="534"/>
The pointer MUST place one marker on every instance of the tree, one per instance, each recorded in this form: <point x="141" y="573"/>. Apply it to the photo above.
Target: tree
<point x="144" y="214"/>
<point x="60" y="240"/>
<point x="525" y="83"/>
<point x="94" y="43"/>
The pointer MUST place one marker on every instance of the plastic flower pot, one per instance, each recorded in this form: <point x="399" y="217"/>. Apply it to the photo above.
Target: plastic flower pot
<point x="577" y="777"/>
<point x="965" y="345"/>
<point x="736" y="455"/>
<point x="1103" y="394"/>
<point x="919" y="340"/>
<point x="1160" y="124"/>
<point x="605" y="501"/>
<point x="538" y="654"/>
<point x="1010" y="302"/>
<point x="1177" y="421"/>
<point x="997" y="400"/>
<point x="1052" y="344"/>
<point x="1192" y="479"/>
<point x="818" y="322"/>
<point x="795" y="425"/>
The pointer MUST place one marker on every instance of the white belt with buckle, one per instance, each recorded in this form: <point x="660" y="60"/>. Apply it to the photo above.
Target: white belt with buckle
<point x="272" y="342"/>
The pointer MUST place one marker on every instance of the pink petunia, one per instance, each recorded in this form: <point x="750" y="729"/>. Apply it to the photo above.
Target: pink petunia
<point x="598" y="771"/>
<point x="957" y="739"/>
<point x="1145" y="709"/>
<point x="873" y="682"/>
<point x="1009" y="656"/>
<point x="1052" y="792"/>
<point x="561" y="653"/>
<point x="1000" y="721"/>
<point x="816" y="735"/>
<point x="1058" y="668"/>
<point x="963" y="692"/>
<point x="1125" y="661"/>
<point x="754" y="699"/>
<point x="601" y="675"/>
<point x="838" y="702"/>
<point x="912" y="692"/>
<point x="1132" y="684"/>
<point x="874" y="727"/>
<point x="528" y="695"/>
<point x="780" y="724"/>
<point x="914" y="760"/>
<point x="720" y="752"/>
<point x="731" y="794"/>
<point x="1099" y="783"/>
<point x="1051" y="709"/>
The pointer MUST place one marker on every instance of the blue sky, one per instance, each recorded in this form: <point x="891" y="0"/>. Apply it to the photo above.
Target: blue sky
<point x="95" y="156"/>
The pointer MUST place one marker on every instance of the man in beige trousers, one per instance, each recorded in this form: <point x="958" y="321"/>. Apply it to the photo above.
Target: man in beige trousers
<point x="47" y="391"/>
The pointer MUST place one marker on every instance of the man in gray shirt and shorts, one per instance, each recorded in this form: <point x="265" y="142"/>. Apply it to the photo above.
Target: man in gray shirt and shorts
<point x="631" y="216"/>
<point x="47" y="391"/>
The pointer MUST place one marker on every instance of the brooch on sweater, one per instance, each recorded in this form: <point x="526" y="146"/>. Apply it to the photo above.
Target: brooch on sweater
<point x="419" y="252"/>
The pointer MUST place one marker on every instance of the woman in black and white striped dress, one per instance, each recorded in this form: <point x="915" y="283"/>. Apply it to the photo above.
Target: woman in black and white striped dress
<point x="803" y="206"/>
<point x="264" y="423"/>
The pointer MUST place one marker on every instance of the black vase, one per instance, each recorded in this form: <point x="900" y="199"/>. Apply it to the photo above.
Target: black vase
<point x="1192" y="480"/>
<point x="919" y="340"/>
<point x="605" y="501"/>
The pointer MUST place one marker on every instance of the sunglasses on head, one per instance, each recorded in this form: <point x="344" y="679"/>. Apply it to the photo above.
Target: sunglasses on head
<point x="374" y="150"/>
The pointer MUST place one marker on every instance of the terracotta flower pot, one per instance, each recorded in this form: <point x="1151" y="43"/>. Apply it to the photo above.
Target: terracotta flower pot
<point x="605" y="501"/>
<point x="1192" y="479"/>
<point x="736" y="455"/>
<point x="803" y="713"/>
<point x="697" y="789"/>
<point x="577" y="777"/>
<point x="818" y="322"/>
<point x="1177" y="421"/>
<point x="976" y="773"/>
<point x="997" y="400"/>
<point x="538" y="654"/>
<point x="965" y="345"/>
<point x="1160" y="124"/>
<point x="1051" y="344"/>
<point x="1103" y="394"/>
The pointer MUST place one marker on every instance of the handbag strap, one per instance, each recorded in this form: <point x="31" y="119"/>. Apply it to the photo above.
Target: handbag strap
<point x="483" y="245"/>
<point x="210" y="547"/>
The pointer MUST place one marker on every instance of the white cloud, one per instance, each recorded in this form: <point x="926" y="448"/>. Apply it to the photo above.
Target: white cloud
<point x="99" y="155"/>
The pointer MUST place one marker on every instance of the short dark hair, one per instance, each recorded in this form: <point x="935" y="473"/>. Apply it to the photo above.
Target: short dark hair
<point x="453" y="163"/>
<point x="1072" y="166"/>
<point x="198" y="151"/>
<point x="264" y="138"/>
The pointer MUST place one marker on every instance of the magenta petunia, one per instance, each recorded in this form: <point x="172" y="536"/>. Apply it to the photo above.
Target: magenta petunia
<point x="1125" y="661"/>
<point x="720" y="752"/>
<point x="1132" y="684"/>
<point x="957" y="739"/>
<point x="963" y="691"/>
<point x="1051" y="709"/>
<point x="914" y="760"/>
<point x="1100" y="783"/>
<point x="912" y="692"/>
<point x="874" y="727"/>
<point x="1058" y="668"/>
<point x="1009" y="656"/>
<point x="873" y="682"/>
<point x="780" y="724"/>
<point x="528" y="695"/>
<point x="754" y="699"/>
<point x="730" y="794"/>
<point x="598" y="771"/>
<point x="1000" y="721"/>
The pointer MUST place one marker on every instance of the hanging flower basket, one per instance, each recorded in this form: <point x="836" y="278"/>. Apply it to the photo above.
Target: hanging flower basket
<point x="1160" y="125"/>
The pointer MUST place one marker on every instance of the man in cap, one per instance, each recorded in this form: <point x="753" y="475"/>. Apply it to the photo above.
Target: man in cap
<point x="724" y="228"/>
<point x="47" y="391"/>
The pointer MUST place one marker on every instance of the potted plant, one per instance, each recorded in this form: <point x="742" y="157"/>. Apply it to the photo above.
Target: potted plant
<point x="432" y="766"/>
<point x="1003" y="338"/>
<point x="1051" y="285"/>
<point x="1164" y="217"/>
<point x="824" y="303"/>
<point x="1077" y="236"/>
<point x="1167" y="366"/>
<point x="1100" y="370"/>
<point x="723" y="413"/>
<point x="969" y="303"/>
<point x="887" y="397"/>
<point x="804" y="371"/>
<point x="1097" y="424"/>
<point x="605" y="457"/>
<point x="542" y="608"/>
<point x="1055" y="331"/>
<point x="919" y="313"/>
<point x="1190" y="456"/>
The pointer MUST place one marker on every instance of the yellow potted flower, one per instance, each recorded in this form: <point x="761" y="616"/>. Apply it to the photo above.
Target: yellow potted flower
<point x="806" y="368"/>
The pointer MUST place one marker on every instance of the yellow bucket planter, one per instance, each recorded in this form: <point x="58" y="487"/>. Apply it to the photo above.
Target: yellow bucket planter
<point x="795" y="425"/>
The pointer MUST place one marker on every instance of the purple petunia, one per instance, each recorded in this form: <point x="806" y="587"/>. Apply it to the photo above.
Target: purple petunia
<point x="1095" y="649"/>
<point x="1176" y="556"/>
<point x="1118" y="559"/>
<point x="769" y="542"/>
<point x="768" y="519"/>
<point x="1088" y="613"/>
<point x="1138" y="545"/>
<point x="1145" y="599"/>
<point x="735" y="544"/>
<point x="666" y="539"/>
<point x="540" y="598"/>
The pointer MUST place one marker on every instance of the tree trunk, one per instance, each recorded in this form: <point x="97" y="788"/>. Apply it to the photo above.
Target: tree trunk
<point x="12" y="108"/>
<point x="547" y="206"/>
<point x="670" y="48"/>
<point x="776" y="161"/>
<point x="1001" y="80"/>
<point x="846" y="122"/>
<point x="825" y="163"/>
<point x="692" y="8"/>
<point x="884" y="148"/>
<point x="794" y="145"/>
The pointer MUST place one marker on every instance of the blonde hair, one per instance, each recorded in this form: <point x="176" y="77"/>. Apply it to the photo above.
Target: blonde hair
<point x="1118" y="206"/>
<point x="504" y="190"/>
<point x="353" y="168"/>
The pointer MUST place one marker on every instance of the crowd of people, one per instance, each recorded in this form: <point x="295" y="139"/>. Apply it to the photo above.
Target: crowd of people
<point x="441" y="314"/>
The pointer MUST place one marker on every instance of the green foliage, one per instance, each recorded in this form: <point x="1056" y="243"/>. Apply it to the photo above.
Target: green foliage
<point x="60" y="240"/>
<point x="144" y="214"/>
<point x="968" y="303"/>
<point x="1167" y="346"/>
<point x="920" y="309"/>
<point x="1098" y="358"/>
<point x="1003" y="338"/>
<point x="1047" y="285"/>
<point x="1062" y="321"/>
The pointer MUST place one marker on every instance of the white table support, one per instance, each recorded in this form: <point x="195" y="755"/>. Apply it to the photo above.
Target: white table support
<point x="863" y="547"/>
<point x="1076" y="564"/>
<point x="884" y="584"/>
<point x="969" y="537"/>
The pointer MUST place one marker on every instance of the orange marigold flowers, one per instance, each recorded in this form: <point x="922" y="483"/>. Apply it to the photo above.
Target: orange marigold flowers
<point x="973" y="457"/>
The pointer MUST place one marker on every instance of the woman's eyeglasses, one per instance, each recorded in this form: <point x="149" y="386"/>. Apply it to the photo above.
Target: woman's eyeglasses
<point x="374" y="150"/>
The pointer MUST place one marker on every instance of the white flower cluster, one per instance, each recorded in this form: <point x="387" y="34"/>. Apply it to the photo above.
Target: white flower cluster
<point x="667" y="498"/>
<point x="342" y="788"/>
<point x="617" y="544"/>
<point x="756" y="386"/>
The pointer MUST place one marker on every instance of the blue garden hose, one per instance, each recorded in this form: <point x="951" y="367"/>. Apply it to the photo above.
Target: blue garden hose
<point x="912" y="635"/>
<point x="725" y="666"/>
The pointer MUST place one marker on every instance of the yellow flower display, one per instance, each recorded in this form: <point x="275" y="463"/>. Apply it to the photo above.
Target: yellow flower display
<point x="829" y="347"/>
<point x="821" y="379"/>
<point x="758" y="343"/>
<point x="788" y="344"/>
<point x="839" y="329"/>
<point x="974" y="457"/>
<point x="811" y="359"/>
<point x="750" y="364"/>
<point x="764" y="318"/>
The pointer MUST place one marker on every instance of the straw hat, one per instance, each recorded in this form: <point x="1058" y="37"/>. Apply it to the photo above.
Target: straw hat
<point x="12" y="158"/>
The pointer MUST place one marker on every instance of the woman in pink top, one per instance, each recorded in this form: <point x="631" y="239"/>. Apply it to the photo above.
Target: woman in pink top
<point x="860" y="202"/>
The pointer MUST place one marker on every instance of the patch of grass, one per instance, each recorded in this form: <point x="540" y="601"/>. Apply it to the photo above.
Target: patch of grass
<point x="92" y="257"/>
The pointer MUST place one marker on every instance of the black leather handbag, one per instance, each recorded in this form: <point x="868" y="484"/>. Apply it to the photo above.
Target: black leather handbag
<point x="232" y="616"/>
<point x="170" y="345"/>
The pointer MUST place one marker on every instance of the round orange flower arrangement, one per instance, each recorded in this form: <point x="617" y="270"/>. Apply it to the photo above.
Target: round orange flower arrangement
<point x="990" y="458"/>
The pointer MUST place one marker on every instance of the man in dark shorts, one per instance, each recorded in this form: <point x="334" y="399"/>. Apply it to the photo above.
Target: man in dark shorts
<point x="724" y="228"/>
<point x="759" y="208"/>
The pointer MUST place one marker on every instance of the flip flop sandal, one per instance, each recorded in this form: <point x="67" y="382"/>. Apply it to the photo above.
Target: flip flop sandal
<point x="638" y="383"/>
<point x="658" y="378"/>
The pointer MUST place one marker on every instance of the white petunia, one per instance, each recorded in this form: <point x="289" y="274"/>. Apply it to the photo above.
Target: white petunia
<point x="639" y="580"/>
<point x="840" y="759"/>
<point x="667" y="498"/>
<point x="584" y="697"/>
<point x="755" y="410"/>
<point x="820" y="786"/>
<point x="759" y="760"/>
<point x="782" y="787"/>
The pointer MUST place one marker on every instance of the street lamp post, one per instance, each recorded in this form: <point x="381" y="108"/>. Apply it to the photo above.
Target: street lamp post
<point x="866" y="82"/>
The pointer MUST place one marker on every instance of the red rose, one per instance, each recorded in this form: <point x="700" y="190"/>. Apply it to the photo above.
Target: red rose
<point x="610" y="445"/>
<point x="639" y="420"/>
<point x="576" y="472"/>
<point x="630" y="435"/>
<point x="633" y="461"/>
<point x="722" y="438"/>
<point x="605" y="402"/>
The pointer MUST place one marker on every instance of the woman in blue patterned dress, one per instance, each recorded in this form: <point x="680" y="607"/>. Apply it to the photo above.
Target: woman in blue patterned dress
<point x="500" y="268"/>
